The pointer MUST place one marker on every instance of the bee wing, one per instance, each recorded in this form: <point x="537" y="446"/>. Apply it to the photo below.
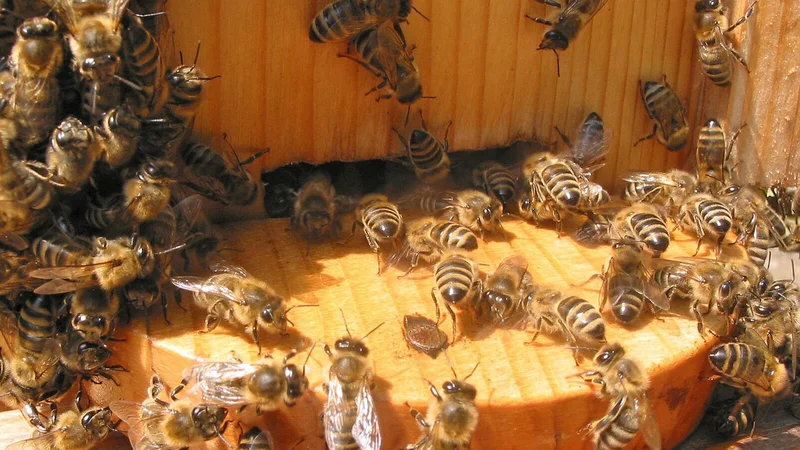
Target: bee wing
<point x="209" y="187"/>
<point x="514" y="262"/>
<point x="65" y="13"/>
<point x="335" y="409"/>
<point x="70" y="272"/>
<point x="59" y="286"/>
<point x="198" y="284"/>
<point x="138" y="416"/>
<point x="387" y="41"/>
<point x="45" y="441"/>
<point x="13" y="240"/>
<point x="187" y="212"/>
<point x="221" y="267"/>
<point x="116" y="9"/>
<point x="366" y="430"/>
<point x="650" y="178"/>
<point x="577" y="6"/>
<point x="647" y="422"/>
<point x="221" y="383"/>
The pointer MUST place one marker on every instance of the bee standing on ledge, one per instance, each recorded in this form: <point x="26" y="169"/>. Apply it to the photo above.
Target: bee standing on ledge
<point x="71" y="431"/>
<point x="427" y="154"/>
<point x="711" y="24"/>
<point x="664" y="106"/>
<point x="475" y="210"/>
<point x="342" y="20"/>
<point x="381" y="221"/>
<point x="451" y="418"/>
<point x="566" y="23"/>
<point x="315" y="208"/>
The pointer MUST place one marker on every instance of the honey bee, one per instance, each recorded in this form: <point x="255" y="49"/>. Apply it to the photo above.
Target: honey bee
<point x="711" y="24"/>
<point x="427" y="239"/>
<point x="745" y="201"/>
<point x="35" y="60"/>
<point x="704" y="214"/>
<point x="220" y="180"/>
<point x="315" y="208"/>
<point x="428" y="156"/>
<point x="643" y="222"/>
<point x="451" y="418"/>
<point x="26" y="192"/>
<point x="382" y="223"/>
<point x="475" y="210"/>
<point x="156" y="423"/>
<point x="85" y="358"/>
<point x="500" y="301"/>
<point x="264" y="385"/>
<point x="753" y="369"/>
<point x="577" y="319"/>
<point x="256" y="439"/>
<point x="108" y="263"/>
<point x="142" y="64"/>
<point x="349" y="417"/>
<point x="533" y="209"/>
<point x="713" y="152"/>
<point x="668" y="189"/>
<point x="594" y="232"/>
<point x="734" y="419"/>
<point x="593" y="196"/>
<point x="185" y="84"/>
<point x="342" y="20"/>
<point x="625" y="382"/>
<point x="665" y="108"/>
<point x="36" y="325"/>
<point x="94" y="312"/>
<point x="427" y="200"/>
<point x="143" y="198"/>
<point x="72" y="153"/>
<point x="591" y="143"/>
<point x="755" y="236"/>
<point x="118" y="135"/>
<point x="775" y="322"/>
<point x="382" y="51"/>
<point x="495" y="180"/>
<point x="626" y="283"/>
<point x="232" y="294"/>
<point x="554" y="179"/>
<point x="72" y="431"/>
<point x="566" y="23"/>
<point x="457" y="281"/>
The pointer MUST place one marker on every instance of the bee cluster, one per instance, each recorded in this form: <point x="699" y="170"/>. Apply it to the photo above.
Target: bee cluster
<point x="96" y="175"/>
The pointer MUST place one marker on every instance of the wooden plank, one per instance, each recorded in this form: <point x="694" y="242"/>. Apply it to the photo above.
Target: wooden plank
<point x="523" y="390"/>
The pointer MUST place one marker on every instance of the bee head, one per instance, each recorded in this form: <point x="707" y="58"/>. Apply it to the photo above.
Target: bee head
<point x="554" y="40"/>
<point x="608" y="354"/>
<point x="72" y="135"/>
<point x="296" y="383"/>
<point x="352" y="345"/>
<point x="123" y="120"/>
<point x="92" y="355"/>
<point x="157" y="171"/>
<point x="409" y="86"/>
<point x="207" y="419"/>
<point x="101" y="68"/>
<point x="499" y="302"/>
<point x="187" y="79"/>
<point x="37" y="28"/>
<point x="142" y="292"/>
<point x="89" y="326"/>
<point x="96" y="421"/>
<point x="404" y="9"/>
<point x="459" y="389"/>
<point x="706" y="5"/>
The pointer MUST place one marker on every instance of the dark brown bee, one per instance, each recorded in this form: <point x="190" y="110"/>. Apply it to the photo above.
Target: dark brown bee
<point x="424" y="335"/>
<point x="457" y="281"/>
<point x="703" y="214"/>
<point x="643" y="222"/>
<point x="382" y="223"/>
<point x="495" y="180"/>
<point x="427" y="154"/>
<point x="217" y="177"/>
<point x="735" y="419"/>
<point x="71" y="431"/>
<point x="315" y="208"/>
<point x="591" y="143"/>
<point x="711" y="24"/>
<point x="341" y="20"/>
<point x="427" y="239"/>
<point x="117" y="135"/>
<point x="501" y="300"/>
<point x="141" y="60"/>
<point x="664" y="106"/>
<point x="713" y="153"/>
<point x="566" y="23"/>
<point x="72" y="153"/>
<point x="94" y="313"/>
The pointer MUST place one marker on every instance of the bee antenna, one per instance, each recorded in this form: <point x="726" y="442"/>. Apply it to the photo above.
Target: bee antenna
<point x="370" y="331"/>
<point x="558" y="63"/>
<point x="128" y="83"/>
<point x="172" y="249"/>
<point x="180" y="56"/>
<point x="308" y="357"/>
<point x="222" y="438"/>
<point x="450" y="363"/>
<point x="473" y="371"/>
<point x="5" y="11"/>
<point x="206" y="78"/>
<point x="408" y="113"/>
<point x="254" y="157"/>
<point x="345" y="323"/>
<point x="196" y="55"/>
<point x="421" y="15"/>
<point x="422" y="119"/>
<point x="142" y="16"/>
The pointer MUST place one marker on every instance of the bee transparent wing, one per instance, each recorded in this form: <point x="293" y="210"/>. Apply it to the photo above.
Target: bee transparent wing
<point x="187" y="213"/>
<point x="116" y="9"/>
<point x="366" y="429"/>
<point x="650" y="178"/>
<point x="130" y="413"/>
<point x="142" y="419"/>
<point x="578" y="7"/>
<point x="59" y="286"/>
<point x="220" y="267"/>
<point x="70" y="272"/>
<point x="647" y="422"/>
<point x="45" y="441"/>
<point x="387" y="41"/>
<point x="221" y="383"/>
<point x="15" y="241"/>
<point x="516" y="263"/>
<point x="335" y="409"/>
<point x="201" y="285"/>
<point x="593" y="157"/>
<point x="65" y="12"/>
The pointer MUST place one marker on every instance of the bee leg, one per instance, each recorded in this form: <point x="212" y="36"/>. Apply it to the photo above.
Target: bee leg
<point x="33" y="416"/>
<point x="352" y="233"/>
<point x="649" y="136"/>
<point x="164" y="307"/>
<point x="254" y="334"/>
<point x="698" y="316"/>
<point x="743" y="19"/>
<point x="212" y="320"/>
<point x="436" y="306"/>
<point x="552" y="3"/>
<point x="174" y="392"/>
<point x="176" y="293"/>
<point x="539" y="20"/>
<point x="735" y="55"/>
<point x="79" y="396"/>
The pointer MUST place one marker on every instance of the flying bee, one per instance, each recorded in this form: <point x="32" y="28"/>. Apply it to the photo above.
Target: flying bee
<point x="713" y="153"/>
<point x="734" y="419"/>
<point x="643" y="222"/>
<point x="94" y="312"/>
<point x="264" y="385"/>
<point x="501" y="297"/>
<point x="118" y="135"/>
<point x="382" y="51"/>
<point x="108" y="263"/>
<point x="428" y="156"/>
<point x="753" y="369"/>
<point x="626" y="283"/>
<point x="141" y="60"/>
<point x="143" y="198"/>
<point x="427" y="239"/>
<point x="72" y="431"/>
<point x="217" y="177"/>
<point x="745" y="201"/>
<point x="349" y="417"/>
<point x="704" y="214"/>
<point x="475" y="210"/>
<point x="342" y="20"/>
<point x="566" y="23"/>
<point x="711" y="24"/>
<point x="382" y="223"/>
<point x="451" y="418"/>
<point x="315" y="208"/>
<point x="156" y="423"/>
<point x="35" y="60"/>
<point x="577" y="319"/>
<point x="668" y="189"/>
<point x="625" y="382"/>
<point x="495" y="180"/>
<point x="665" y="108"/>
<point x="72" y="153"/>
<point x="232" y="294"/>
<point x="457" y="281"/>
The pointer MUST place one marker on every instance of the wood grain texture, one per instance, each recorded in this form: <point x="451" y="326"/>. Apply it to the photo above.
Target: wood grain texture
<point x="527" y="394"/>
<point x="477" y="57"/>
